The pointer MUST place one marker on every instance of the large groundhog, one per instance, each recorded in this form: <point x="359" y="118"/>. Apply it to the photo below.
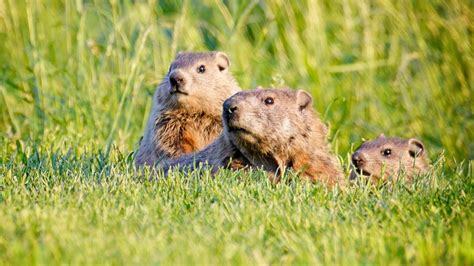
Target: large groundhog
<point x="187" y="107"/>
<point x="385" y="158"/>
<point x="274" y="129"/>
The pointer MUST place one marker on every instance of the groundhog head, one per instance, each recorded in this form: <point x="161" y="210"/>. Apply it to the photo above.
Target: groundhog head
<point x="385" y="158"/>
<point x="271" y="118"/>
<point x="198" y="82"/>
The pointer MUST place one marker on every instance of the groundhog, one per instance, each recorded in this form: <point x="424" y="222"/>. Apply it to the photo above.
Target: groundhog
<point x="275" y="129"/>
<point x="187" y="107"/>
<point x="385" y="158"/>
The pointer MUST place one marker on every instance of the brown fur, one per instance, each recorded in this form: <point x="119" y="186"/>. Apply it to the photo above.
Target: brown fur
<point x="284" y="134"/>
<point x="187" y="107"/>
<point x="407" y="156"/>
<point x="219" y="154"/>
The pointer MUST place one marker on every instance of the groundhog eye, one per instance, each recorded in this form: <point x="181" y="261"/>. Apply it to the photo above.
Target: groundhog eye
<point x="201" y="69"/>
<point x="386" y="152"/>
<point x="268" y="101"/>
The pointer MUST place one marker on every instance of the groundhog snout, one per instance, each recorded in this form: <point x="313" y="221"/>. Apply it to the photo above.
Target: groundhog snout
<point x="358" y="159"/>
<point x="230" y="108"/>
<point x="177" y="81"/>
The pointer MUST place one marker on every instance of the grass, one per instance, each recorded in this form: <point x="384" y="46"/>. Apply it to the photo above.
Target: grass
<point x="76" y="79"/>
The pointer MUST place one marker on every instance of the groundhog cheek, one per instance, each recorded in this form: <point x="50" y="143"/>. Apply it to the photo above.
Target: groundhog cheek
<point x="251" y="122"/>
<point x="259" y="128"/>
<point x="372" y="168"/>
<point x="286" y="126"/>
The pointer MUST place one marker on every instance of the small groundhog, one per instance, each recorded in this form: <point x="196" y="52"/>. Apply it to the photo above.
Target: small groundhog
<point x="274" y="129"/>
<point x="385" y="158"/>
<point x="187" y="107"/>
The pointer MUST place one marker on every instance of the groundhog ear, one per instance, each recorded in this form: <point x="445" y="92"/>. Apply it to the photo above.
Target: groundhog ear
<point x="303" y="99"/>
<point x="381" y="136"/>
<point x="415" y="148"/>
<point x="223" y="62"/>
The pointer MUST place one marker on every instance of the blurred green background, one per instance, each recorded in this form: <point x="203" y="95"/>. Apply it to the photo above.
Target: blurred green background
<point x="81" y="73"/>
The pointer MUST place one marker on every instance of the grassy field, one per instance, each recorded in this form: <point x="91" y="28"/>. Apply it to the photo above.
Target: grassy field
<point x="76" y="79"/>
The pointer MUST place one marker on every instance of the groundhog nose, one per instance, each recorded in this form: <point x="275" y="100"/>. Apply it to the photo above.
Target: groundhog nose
<point x="230" y="107"/>
<point x="176" y="80"/>
<point x="358" y="159"/>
